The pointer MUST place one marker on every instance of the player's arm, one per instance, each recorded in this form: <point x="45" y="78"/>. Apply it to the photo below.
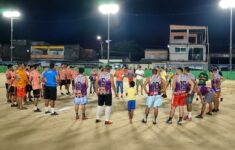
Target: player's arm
<point x="191" y="87"/>
<point x="174" y="83"/>
<point x="97" y="85"/>
<point x="163" y="86"/>
<point x="112" y="84"/>
<point x="86" y="80"/>
<point x="146" y="82"/>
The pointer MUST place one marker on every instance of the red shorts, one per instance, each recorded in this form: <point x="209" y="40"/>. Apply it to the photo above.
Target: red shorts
<point x="21" y="92"/>
<point x="179" y="100"/>
<point x="130" y="79"/>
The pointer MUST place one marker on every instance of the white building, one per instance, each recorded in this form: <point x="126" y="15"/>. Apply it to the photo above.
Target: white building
<point x="188" y="43"/>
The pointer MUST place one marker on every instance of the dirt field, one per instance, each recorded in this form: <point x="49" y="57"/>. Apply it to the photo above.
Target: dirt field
<point x="23" y="130"/>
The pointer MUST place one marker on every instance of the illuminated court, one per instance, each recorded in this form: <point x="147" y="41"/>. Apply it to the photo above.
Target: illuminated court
<point x="28" y="130"/>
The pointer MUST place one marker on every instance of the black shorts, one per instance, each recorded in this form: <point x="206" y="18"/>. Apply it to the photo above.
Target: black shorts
<point x="73" y="83"/>
<point x="63" y="82"/>
<point x="12" y="90"/>
<point x="7" y="86"/>
<point x="68" y="81"/>
<point x="105" y="100"/>
<point x="36" y="93"/>
<point x="28" y="88"/>
<point x="50" y="93"/>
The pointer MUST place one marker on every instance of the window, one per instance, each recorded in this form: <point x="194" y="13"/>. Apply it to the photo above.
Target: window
<point x="195" y="54"/>
<point x="178" y="37"/>
<point x="180" y="50"/>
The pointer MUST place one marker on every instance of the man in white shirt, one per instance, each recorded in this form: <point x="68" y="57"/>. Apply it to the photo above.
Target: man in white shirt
<point x="139" y="79"/>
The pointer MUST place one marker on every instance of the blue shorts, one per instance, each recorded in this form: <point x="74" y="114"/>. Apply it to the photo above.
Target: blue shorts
<point x="131" y="105"/>
<point x="80" y="100"/>
<point x="155" y="101"/>
<point x="189" y="99"/>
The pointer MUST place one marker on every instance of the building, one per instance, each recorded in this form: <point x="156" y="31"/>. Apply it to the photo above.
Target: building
<point x="188" y="43"/>
<point x="156" y="54"/>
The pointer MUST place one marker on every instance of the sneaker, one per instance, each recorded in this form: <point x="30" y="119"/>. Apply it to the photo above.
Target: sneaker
<point x="179" y="122"/>
<point x="84" y="118"/>
<point x="14" y="105"/>
<point x="62" y="93"/>
<point x="98" y="121"/>
<point x="54" y="114"/>
<point x="37" y="110"/>
<point x="169" y="121"/>
<point x="213" y="110"/>
<point x="108" y="122"/>
<point x="209" y="113"/>
<point x="143" y="121"/>
<point x="221" y="99"/>
<point x="47" y="112"/>
<point x="186" y="117"/>
<point x="199" y="117"/>
<point x="217" y="110"/>
<point x="154" y="122"/>
<point x="77" y="117"/>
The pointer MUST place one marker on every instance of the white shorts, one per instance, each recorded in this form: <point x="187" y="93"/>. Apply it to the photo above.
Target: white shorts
<point x="80" y="100"/>
<point x="155" y="101"/>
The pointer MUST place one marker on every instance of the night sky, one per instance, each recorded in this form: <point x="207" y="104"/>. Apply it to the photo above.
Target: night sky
<point x="144" y="21"/>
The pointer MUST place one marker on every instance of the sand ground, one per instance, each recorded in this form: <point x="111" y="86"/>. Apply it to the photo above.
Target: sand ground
<point x="23" y="130"/>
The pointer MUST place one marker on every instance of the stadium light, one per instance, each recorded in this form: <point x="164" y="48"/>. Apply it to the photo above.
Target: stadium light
<point x="99" y="38"/>
<point x="12" y="15"/>
<point x="108" y="9"/>
<point x="225" y="4"/>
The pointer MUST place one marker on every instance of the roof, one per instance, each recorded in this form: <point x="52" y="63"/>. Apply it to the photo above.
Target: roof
<point x="182" y="27"/>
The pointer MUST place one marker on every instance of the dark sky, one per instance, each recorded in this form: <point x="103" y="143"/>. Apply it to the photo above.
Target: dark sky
<point x="144" y="21"/>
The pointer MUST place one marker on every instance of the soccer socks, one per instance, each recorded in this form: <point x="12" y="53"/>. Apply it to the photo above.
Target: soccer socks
<point x="107" y="113"/>
<point x="189" y="114"/>
<point x="46" y="109"/>
<point x="52" y="110"/>
<point x="98" y="110"/>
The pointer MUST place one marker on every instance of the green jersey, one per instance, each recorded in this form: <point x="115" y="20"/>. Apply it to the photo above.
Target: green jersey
<point x="203" y="77"/>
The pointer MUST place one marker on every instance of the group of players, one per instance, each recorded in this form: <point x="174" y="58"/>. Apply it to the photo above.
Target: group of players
<point x="22" y="79"/>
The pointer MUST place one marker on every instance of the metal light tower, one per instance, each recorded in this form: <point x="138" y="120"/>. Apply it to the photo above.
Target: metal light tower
<point x="12" y="15"/>
<point x="108" y="9"/>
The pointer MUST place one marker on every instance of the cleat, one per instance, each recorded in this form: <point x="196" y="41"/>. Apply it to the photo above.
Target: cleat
<point x="37" y="110"/>
<point x="169" y="121"/>
<point x="143" y="121"/>
<point x="199" y="117"/>
<point x="179" y="122"/>
<point x="154" y="122"/>
<point x="47" y="112"/>
<point x="97" y="121"/>
<point x="54" y="114"/>
<point x="209" y="113"/>
<point x="213" y="110"/>
<point x="108" y="122"/>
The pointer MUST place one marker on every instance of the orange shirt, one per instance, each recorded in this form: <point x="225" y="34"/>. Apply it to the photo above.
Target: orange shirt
<point x="35" y="79"/>
<point x="119" y="75"/>
<point x="21" y="78"/>
<point x="74" y="74"/>
<point x="62" y="74"/>
<point x="8" y="76"/>
<point x="68" y="74"/>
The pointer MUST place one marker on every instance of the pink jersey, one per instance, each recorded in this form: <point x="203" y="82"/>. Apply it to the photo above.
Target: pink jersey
<point x="8" y="76"/>
<point x="68" y="74"/>
<point x="62" y="74"/>
<point x="74" y="74"/>
<point x="35" y="79"/>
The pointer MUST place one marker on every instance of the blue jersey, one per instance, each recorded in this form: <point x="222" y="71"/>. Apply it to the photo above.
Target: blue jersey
<point x="50" y="77"/>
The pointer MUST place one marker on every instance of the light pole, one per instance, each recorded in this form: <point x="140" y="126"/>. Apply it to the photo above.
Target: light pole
<point x="99" y="38"/>
<point x="229" y="4"/>
<point x="108" y="9"/>
<point x="12" y="15"/>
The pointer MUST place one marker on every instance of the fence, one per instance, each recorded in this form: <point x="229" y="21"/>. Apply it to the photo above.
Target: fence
<point x="229" y="75"/>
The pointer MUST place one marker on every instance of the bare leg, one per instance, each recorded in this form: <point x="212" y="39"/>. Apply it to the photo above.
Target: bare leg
<point x="155" y="114"/>
<point x="76" y="111"/>
<point x="84" y="112"/>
